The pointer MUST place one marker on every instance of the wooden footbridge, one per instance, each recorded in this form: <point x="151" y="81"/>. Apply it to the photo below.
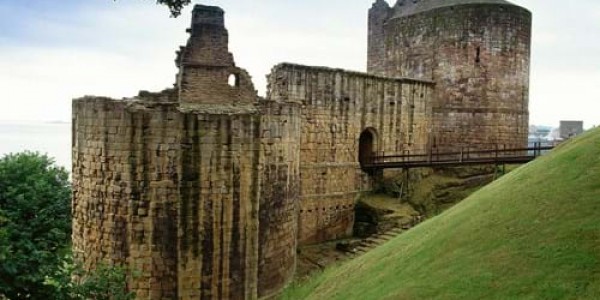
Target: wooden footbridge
<point x="465" y="156"/>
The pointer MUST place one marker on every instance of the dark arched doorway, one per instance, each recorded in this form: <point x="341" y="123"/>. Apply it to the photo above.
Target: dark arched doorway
<point x="366" y="146"/>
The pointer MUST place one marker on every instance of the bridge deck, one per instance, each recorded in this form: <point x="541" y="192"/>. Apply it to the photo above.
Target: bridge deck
<point x="449" y="159"/>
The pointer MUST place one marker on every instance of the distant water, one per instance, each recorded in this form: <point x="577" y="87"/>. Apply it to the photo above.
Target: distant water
<point x="49" y="138"/>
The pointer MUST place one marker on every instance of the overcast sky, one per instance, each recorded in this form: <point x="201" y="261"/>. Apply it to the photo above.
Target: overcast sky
<point x="51" y="53"/>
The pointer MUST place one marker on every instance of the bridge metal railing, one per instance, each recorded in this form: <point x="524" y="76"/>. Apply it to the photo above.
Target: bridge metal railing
<point x="465" y="156"/>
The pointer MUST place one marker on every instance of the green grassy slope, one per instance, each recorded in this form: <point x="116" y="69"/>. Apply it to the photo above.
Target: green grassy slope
<point x="533" y="234"/>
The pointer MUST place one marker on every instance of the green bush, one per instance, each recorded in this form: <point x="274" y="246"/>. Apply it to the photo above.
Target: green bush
<point x="35" y="223"/>
<point x="71" y="282"/>
<point x="35" y="234"/>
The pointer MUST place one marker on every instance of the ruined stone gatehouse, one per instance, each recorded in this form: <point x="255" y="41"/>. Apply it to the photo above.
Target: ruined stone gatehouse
<point x="207" y="189"/>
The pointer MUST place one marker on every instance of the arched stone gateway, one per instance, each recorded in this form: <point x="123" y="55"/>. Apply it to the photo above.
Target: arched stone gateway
<point x="367" y="146"/>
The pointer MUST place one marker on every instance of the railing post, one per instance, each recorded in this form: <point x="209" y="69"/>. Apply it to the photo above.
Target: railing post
<point x="496" y="150"/>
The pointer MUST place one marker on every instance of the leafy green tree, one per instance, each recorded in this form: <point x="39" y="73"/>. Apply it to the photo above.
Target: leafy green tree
<point x="35" y="223"/>
<point x="3" y="238"/>
<point x="175" y="6"/>
<point x="71" y="282"/>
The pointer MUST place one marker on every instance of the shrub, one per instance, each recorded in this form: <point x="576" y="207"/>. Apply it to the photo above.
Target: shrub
<point x="35" y="207"/>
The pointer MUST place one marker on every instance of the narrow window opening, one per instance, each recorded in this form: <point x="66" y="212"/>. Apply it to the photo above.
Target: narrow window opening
<point x="478" y="55"/>
<point x="234" y="81"/>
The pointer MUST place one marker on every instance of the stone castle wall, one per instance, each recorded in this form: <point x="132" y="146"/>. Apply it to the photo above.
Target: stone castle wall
<point x="338" y="106"/>
<point x="195" y="187"/>
<point x="207" y="189"/>
<point x="202" y="204"/>
<point x="125" y="191"/>
<point x="279" y="187"/>
<point x="218" y="206"/>
<point x="478" y="56"/>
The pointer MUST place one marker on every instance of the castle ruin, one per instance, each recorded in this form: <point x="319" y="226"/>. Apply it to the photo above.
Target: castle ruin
<point x="207" y="189"/>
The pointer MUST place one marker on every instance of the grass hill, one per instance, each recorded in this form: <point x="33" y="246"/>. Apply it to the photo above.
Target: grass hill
<point x="533" y="234"/>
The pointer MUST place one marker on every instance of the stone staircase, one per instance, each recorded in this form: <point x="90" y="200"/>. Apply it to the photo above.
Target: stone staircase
<point x="365" y="245"/>
<point x="317" y="257"/>
<point x="375" y="240"/>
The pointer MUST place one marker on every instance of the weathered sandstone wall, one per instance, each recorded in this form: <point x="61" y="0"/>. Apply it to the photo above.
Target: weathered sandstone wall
<point x="477" y="53"/>
<point x="202" y="204"/>
<point x="338" y="106"/>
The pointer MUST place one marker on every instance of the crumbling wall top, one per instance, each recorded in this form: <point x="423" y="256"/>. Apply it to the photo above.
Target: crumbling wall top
<point x="381" y="4"/>
<point x="203" y="14"/>
<point x="292" y="66"/>
<point x="404" y="8"/>
<point x="207" y="70"/>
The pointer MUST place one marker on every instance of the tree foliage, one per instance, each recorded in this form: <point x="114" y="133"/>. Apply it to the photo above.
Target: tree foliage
<point x="71" y="282"/>
<point x="175" y="6"/>
<point x="35" y="223"/>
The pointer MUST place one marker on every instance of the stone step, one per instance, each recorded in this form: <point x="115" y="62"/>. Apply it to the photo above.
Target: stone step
<point x="366" y="245"/>
<point x="377" y="242"/>
<point x="389" y="235"/>
<point x="397" y="230"/>
<point x="363" y="249"/>
<point x="384" y="238"/>
<point x="372" y="241"/>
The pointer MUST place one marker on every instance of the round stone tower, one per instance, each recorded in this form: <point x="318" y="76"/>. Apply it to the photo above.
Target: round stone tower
<point x="478" y="54"/>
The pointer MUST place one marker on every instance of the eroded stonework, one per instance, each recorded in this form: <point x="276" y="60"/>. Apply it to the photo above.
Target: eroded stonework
<point x="337" y="107"/>
<point x="197" y="187"/>
<point x="207" y="189"/>
<point x="476" y="51"/>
